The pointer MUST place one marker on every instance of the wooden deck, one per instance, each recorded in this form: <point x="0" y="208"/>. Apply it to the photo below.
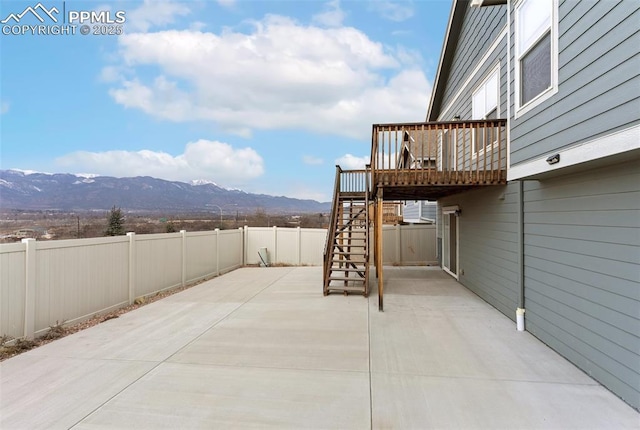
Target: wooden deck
<point x="430" y="184"/>
<point x="420" y="161"/>
<point x="411" y="161"/>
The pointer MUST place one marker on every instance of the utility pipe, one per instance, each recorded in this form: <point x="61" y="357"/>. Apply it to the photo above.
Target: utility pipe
<point x="520" y="309"/>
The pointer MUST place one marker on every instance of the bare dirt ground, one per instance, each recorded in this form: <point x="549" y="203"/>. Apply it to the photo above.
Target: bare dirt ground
<point x="10" y="347"/>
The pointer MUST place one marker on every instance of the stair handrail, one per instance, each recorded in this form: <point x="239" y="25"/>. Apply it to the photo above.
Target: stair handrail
<point x="331" y="231"/>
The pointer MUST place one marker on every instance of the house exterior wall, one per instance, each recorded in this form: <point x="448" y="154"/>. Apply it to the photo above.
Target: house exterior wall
<point x="581" y="224"/>
<point x="428" y="210"/>
<point x="598" y="70"/>
<point x="582" y="271"/>
<point x="411" y="211"/>
<point x="488" y="244"/>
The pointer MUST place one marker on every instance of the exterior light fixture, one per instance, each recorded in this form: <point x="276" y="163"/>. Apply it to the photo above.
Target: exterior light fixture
<point x="554" y="159"/>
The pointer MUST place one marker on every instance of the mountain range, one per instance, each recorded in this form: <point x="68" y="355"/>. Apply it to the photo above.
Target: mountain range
<point x="67" y="192"/>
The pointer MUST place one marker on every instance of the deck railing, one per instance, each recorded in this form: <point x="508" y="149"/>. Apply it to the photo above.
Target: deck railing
<point x="456" y="152"/>
<point x="354" y="181"/>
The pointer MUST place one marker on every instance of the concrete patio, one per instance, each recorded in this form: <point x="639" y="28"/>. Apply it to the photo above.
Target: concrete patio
<point x="259" y="348"/>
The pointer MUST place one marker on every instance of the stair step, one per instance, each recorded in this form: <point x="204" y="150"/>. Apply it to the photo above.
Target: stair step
<point x="348" y="269"/>
<point x="349" y="253"/>
<point x="346" y="291"/>
<point x="350" y="262"/>
<point x="344" y="278"/>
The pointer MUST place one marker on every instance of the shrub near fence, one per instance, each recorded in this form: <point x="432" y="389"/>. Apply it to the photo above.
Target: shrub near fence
<point x="72" y="280"/>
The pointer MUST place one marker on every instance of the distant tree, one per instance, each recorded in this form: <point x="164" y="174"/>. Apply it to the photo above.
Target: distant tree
<point x="115" y="222"/>
<point x="170" y="228"/>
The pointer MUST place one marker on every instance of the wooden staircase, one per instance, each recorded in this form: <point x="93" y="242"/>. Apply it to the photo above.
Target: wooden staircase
<point x="346" y="257"/>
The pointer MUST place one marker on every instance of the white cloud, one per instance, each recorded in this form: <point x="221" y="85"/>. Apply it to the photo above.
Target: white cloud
<point x="154" y="13"/>
<point x="352" y="162"/>
<point x="310" y="159"/>
<point x="332" y="16"/>
<point x="4" y="107"/>
<point x="280" y="75"/>
<point x="226" y="3"/>
<point x="203" y="159"/>
<point x="393" y="11"/>
<point x="110" y="74"/>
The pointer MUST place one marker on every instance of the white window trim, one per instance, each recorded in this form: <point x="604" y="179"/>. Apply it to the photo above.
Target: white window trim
<point x="496" y="71"/>
<point x="553" y="88"/>
<point x="446" y="210"/>
<point x="455" y="211"/>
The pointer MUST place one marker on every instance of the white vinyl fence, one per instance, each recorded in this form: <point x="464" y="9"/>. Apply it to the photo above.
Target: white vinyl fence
<point x="409" y="245"/>
<point x="42" y="283"/>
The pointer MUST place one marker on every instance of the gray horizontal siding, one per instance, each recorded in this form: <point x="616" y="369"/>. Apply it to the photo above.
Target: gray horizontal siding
<point x="582" y="271"/>
<point x="429" y="210"/>
<point x="481" y="27"/>
<point x="410" y="211"/>
<point x="488" y="244"/>
<point x="598" y="93"/>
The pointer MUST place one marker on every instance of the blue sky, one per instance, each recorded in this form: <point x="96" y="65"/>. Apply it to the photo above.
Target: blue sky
<point x="265" y="96"/>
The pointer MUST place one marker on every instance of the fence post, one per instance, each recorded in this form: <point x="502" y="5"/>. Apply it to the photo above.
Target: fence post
<point x="299" y="246"/>
<point x="398" y="245"/>
<point x="217" y="230"/>
<point x="132" y="266"/>
<point x="275" y="244"/>
<point x="30" y="288"/>
<point x="241" y="236"/>
<point x="246" y="244"/>
<point x="183" y="235"/>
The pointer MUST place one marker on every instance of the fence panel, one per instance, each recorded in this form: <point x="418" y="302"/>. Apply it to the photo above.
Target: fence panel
<point x="418" y="244"/>
<point x="408" y="244"/>
<point x="312" y="246"/>
<point x="12" y="289"/>
<point x="201" y="255"/>
<point x="287" y="246"/>
<point x="230" y="249"/>
<point x="259" y="237"/>
<point x="158" y="262"/>
<point x="78" y="278"/>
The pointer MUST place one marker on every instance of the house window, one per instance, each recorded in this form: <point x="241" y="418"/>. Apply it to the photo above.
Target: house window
<point x="485" y="106"/>
<point x="536" y="51"/>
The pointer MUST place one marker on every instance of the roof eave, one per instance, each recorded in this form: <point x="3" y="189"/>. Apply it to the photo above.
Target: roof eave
<point x="458" y="8"/>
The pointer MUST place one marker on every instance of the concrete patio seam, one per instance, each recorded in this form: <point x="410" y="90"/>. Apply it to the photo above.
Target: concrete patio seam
<point x="226" y="316"/>
<point x="180" y="349"/>
<point x="249" y="366"/>
<point x="478" y="378"/>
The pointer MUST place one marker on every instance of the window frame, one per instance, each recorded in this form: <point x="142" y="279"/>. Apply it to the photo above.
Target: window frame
<point x="475" y="151"/>
<point x="552" y="30"/>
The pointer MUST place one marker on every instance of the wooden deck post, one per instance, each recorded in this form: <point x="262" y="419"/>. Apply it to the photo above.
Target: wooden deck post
<point x="379" y="268"/>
